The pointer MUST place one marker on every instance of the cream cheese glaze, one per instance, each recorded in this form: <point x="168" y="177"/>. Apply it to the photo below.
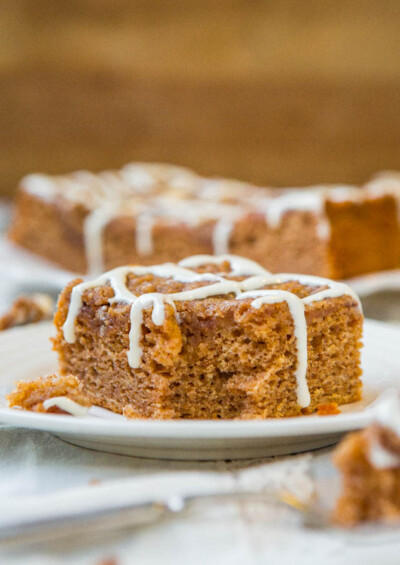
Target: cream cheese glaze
<point x="250" y="287"/>
<point x="66" y="404"/>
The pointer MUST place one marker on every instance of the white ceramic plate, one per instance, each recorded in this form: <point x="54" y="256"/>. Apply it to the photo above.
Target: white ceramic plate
<point x="25" y="353"/>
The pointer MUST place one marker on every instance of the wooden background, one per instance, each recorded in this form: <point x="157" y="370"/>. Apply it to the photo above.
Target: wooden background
<point x="285" y="92"/>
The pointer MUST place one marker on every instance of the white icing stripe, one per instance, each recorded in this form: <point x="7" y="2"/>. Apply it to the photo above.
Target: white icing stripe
<point x="334" y="289"/>
<point x="158" y="301"/>
<point x="117" y="280"/>
<point x="144" y="176"/>
<point x="93" y="228"/>
<point x="296" y="307"/>
<point x="144" y="233"/>
<point x="323" y="228"/>
<point x="247" y="288"/>
<point x="145" y="215"/>
<point x="93" y="231"/>
<point x="66" y="404"/>
<point x="221" y="235"/>
<point x="311" y="200"/>
<point x="172" y="271"/>
<point x="239" y="265"/>
<point x="386" y="413"/>
<point x="382" y="458"/>
<point x="39" y="185"/>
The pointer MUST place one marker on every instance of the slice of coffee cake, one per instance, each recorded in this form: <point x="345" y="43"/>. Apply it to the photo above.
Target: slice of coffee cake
<point x="370" y="465"/>
<point x="211" y="337"/>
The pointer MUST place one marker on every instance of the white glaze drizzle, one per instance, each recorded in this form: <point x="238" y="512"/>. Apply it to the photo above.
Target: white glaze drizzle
<point x="296" y="308"/>
<point x="222" y="232"/>
<point x="221" y="236"/>
<point x="226" y="190"/>
<point x="117" y="280"/>
<point x="144" y="176"/>
<point x="386" y="184"/>
<point x="169" y="209"/>
<point x="240" y="266"/>
<point x="247" y="288"/>
<point x="39" y="185"/>
<point x="80" y="187"/>
<point x="144" y="233"/>
<point x="66" y="404"/>
<point x="93" y="229"/>
<point x="387" y="414"/>
<point x="305" y="200"/>
<point x="158" y="301"/>
<point x="380" y="457"/>
<point x="334" y="290"/>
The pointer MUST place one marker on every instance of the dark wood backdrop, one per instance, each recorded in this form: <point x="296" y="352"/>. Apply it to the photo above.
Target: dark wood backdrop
<point x="285" y="92"/>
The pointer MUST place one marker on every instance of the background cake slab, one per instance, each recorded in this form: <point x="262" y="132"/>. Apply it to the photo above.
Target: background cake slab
<point x="44" y="275"/>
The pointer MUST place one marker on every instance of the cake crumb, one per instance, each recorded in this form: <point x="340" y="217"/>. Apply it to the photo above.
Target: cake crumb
<point x="129" y="412"/>
<point x="27" y="310"/>
<point x="108" y="561"/>
<point x="32" y="395"/>
<point x="330" y="409"/>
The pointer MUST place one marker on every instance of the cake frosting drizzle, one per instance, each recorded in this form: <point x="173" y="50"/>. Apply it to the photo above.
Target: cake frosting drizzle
<point x="296" y="307"/>
<point x="386" y="413"/>
<point x="66" y="404"/>
<point x="250" y="287"/>
<point x="93" y="228"/>
<point x="144" y="233"/>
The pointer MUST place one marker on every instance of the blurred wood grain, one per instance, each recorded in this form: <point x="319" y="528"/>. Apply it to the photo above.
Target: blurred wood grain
<point x="284" y="92"/>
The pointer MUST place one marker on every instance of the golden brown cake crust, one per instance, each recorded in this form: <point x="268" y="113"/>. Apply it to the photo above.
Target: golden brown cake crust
<point x="222" y="359"/>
